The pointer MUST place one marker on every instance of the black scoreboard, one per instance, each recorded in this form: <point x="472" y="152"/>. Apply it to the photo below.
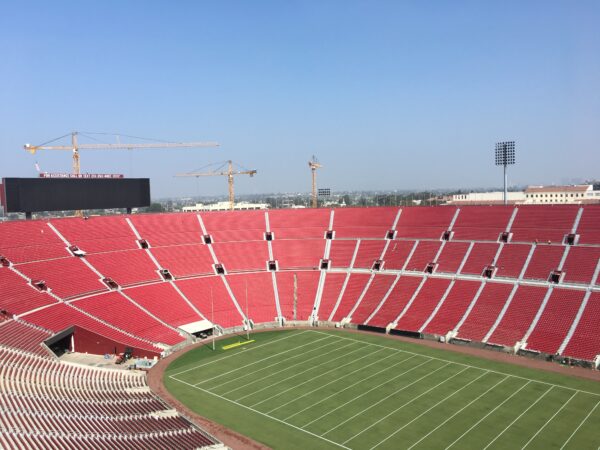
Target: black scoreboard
<point x="67" y="194"/>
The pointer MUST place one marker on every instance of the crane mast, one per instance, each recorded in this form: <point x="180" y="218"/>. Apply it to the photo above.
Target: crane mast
<point x="314" y="165"/>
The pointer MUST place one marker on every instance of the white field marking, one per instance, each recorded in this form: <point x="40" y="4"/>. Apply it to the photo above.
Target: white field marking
<point x="488" y="414"/>
<point x="312" y="379"/>
<point x="337" y="379"/>
<point x="470" y="365"/>
<point x="258" y="412"/>
<point x="549" y="420"/>
<point x="408" y="403"/>
<point x="247" y="374"/>
<point x="580" y="425"/>
<point x="372" y="389"/>
<point x="385" y="398"/>
<point x="458" y="412"/>
<point x="258" y="361"/>
<point x="350" y="386"/>
<point x="519" y="416"/>
<point x="293" y="334"/>
<point x="270" y="385"/>
<point x="333" y="381"/>
<point x="428" y="409"/>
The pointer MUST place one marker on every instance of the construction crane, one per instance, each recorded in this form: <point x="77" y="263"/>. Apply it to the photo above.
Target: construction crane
<point x="230" y="173"/>
<point x="76" y="146"/>
<point x="314" y="165"/>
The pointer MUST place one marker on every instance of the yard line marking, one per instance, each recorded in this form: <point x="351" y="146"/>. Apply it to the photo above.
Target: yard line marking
<point x="458" y="412"/>
<point x="345" y="355"/>
<point x="247" y="374"/>
<point x="519" y="416"/>
<point x="269" y="386"/>
<point x="365" y="393"/>
<point x="258" y="412"/>
<point x="347" y="387"/>
<point x="373" y="388"/>
<point x="352" y="385"/>
<point x="427" y="410"/>
<point x="257" y="361"/>
<point x="579" y="426"/>
<point x="549" y="420"/>
<point x="293" y="334"/>
<point x="405" y="404"/>
<point x="488" y="414"/>
<point x="335" y="380"/>
<point x="595" y="394"/>
<point x="384" y="399"/>
<point x="292" y="376"/>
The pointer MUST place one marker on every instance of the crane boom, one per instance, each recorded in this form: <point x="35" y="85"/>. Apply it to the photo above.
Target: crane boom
<point x="76" y="146"/>
<point x="213" y="174"/>
<point x="34" y="148"/>
<point x="229" y="174"/>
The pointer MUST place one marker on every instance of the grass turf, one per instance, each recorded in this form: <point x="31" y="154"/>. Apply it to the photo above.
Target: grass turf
<point x="299" y="389"/>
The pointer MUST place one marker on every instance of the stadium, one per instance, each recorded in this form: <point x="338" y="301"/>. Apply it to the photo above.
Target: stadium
<point x="392" y="327"/>
<point x="256" y="225"/>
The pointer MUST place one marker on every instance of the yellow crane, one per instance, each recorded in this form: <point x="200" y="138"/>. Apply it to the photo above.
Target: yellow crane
<point x="314" y="165"/>
<point x="229" y="173"/>
<point x="76" y="146"/>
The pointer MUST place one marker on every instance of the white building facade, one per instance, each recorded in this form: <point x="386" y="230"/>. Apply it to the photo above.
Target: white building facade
<point x="576" y="194"/>
<point x="225" y="206"/>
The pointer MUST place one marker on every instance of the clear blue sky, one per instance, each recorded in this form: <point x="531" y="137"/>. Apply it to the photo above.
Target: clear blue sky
<point x="388" y="95"/>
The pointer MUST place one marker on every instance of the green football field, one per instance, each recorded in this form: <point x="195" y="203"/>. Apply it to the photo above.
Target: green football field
<point x="309" y="389"/>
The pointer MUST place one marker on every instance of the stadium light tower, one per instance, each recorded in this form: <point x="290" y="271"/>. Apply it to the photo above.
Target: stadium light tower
<point x="505" y="156"/>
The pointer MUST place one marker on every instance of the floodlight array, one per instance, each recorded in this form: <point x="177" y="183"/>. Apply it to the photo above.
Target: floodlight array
<point x="505" y="153"/>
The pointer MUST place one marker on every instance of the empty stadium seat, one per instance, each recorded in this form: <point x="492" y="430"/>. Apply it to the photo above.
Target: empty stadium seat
<point x="354" y="288"/>
<point x="372" y="297"/>
<point x="396" y="301"/>
<point x="97" y="234"/>
<point x="481" y="223"/>
<point x="585" y="342"/>
<point x="486" y="311"/>
<point x="543" y="223"/>
<point x="424" y="304"/>
<point x="168" y="229"/>
<point x="354" y="223"/>
<point x="518" y="316"/>
<point x="454" y="307"/>
<point x="424" y="223"/>
<point x="555" y="321"/>
<point x="297" y="291"/>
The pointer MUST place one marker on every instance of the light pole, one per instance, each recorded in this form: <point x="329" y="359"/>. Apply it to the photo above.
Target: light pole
<point x="505" y="156"/>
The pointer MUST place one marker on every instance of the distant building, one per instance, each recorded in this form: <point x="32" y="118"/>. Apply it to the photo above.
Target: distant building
<point x="486" y="198"/>
<point x="224" y="206"/>
<point x="533" y="195"/>
<point x="574" y="194"/>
